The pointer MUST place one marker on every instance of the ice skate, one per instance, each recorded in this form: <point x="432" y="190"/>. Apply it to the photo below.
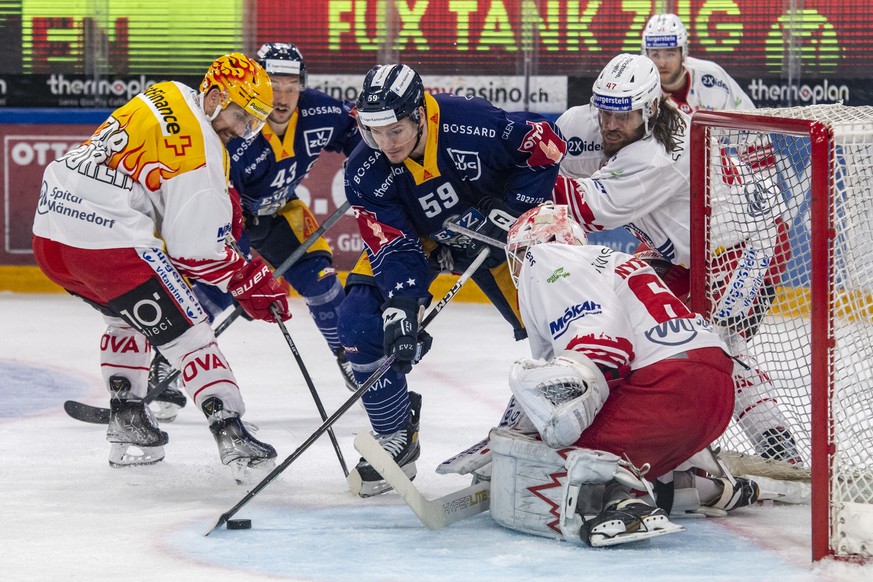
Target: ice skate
<point x="132" y="428"/>
<point x="236" y="446"/>
<point x="778" y="444"/>
<point x="345" y="367"/>
<point x="743" y="493"/>
<point x="404" y="448"/>
<point x="167" y="404"/>
<point x="628" y="520"/>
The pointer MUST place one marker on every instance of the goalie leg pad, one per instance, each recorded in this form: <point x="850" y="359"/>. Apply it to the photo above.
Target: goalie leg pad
<point x="561" y="397"/>
<point x="475" y="458"/>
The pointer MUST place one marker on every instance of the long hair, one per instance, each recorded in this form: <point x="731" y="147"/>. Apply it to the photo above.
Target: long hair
<point x="668" y="125"/>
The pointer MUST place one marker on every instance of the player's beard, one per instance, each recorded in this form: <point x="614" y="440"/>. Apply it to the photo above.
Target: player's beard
<point x="615" y="140"/>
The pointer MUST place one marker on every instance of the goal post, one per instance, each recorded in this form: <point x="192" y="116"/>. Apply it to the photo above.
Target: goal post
<point x="782" y="263"/>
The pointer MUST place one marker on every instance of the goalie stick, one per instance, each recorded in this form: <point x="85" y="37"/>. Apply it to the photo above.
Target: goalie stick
<point x="362" y="389"/>
<point x="98" y="415"/>
<point x="433" y="513"/>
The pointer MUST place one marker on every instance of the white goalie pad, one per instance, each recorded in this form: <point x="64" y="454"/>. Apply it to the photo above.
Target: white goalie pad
<point x="561" y="397"/>
<point x="529" y="484"/>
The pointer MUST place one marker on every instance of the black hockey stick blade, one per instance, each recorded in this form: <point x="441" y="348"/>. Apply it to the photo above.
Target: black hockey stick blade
<point x="86" y="412"/>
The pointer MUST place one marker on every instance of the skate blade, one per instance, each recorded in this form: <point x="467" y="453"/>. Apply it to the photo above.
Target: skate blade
<point x="366" y="489"/>
<point x="248" y="471"/>
<point x="664" y="527"/>
<point x="128" y="455"/>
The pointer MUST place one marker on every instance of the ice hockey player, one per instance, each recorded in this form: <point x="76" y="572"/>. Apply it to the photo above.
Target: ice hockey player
<point x="689" y="83"/>
<point x="622" y="376"/>
<point x="637" y="175"/>
<point x="265" y="172"/>
<point x="125" y="217"/>
<point x="428" y="158"/>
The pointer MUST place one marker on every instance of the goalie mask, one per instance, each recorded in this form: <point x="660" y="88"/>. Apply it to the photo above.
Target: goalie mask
<point x="390" y="93"/>
<point x="282" y="58"/>
<point x="665" y="31"/>
<point x="629" y="83"/>
<point x="544" y="224"/>
<point x="244" y="82"/>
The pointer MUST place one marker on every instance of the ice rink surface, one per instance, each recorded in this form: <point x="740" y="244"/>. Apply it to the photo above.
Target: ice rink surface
<point x="68" y="516"/>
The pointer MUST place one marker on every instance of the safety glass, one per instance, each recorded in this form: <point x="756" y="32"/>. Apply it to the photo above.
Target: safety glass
<point x="388" y="136"/>
<point x="630" y="119"/>
<point x="243" y="123"/>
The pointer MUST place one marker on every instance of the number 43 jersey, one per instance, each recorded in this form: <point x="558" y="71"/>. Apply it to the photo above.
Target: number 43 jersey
<point x="473" y="150"/>
<point x="267" y="170"/>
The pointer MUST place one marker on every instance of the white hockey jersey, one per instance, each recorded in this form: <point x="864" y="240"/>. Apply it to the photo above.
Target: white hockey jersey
<point x="711" y="88"/>
<point x="608" y="305"/>
<point x="153" y="174"/>
<point x="642" y="188"/>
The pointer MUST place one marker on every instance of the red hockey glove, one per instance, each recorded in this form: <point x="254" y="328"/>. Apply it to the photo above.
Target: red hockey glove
<point x="256" y="290"/>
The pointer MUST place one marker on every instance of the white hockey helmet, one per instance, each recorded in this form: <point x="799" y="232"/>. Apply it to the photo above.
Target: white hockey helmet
<point x="665" y="31"/>
<point x="543" y="224"/>
<point x="627" y="83"/>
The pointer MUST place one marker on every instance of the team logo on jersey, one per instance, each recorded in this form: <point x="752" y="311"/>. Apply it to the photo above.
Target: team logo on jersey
<point x="467" y="163"/>
<point x="711" y="81"/>
<point x="317" y="139"/>
<point x="577" y="146"/>
<point x="543" y="144"/>
<point x="559" y="326"/>
<point x="674" y="332"/>
<point x="375" y="234"/>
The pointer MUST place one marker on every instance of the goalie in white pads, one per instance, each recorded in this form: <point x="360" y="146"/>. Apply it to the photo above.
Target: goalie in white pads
<point x="622" y="368"/>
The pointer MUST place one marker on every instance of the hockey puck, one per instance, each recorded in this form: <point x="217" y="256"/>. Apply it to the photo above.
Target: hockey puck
<point x="239" y="524"/>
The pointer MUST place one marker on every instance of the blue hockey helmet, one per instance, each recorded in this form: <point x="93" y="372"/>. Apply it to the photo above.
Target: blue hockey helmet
<point x="282" y="58"/>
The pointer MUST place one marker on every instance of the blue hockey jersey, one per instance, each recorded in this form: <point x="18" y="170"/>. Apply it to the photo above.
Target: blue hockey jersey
<point x="473" y="150"/>
<point x="266" y="170"/>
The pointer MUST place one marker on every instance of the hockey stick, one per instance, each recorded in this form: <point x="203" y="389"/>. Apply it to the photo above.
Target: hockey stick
<point x="312" y="390"/>
<point x="98" y="415"/>
<point x="433" y="513"/>
<point x="475" y="234"/>
<point x="374" y="377"/>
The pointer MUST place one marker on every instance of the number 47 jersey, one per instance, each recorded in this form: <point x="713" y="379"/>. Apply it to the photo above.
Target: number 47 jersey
<point x="473" y="151"/>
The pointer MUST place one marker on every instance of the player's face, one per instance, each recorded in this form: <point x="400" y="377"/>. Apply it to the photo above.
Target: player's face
<point x="286" y="94"/>
<point x="619" y="128"/>
<point x="398" y="140"/>
<point x="234" y="121"/>
<point x="669" y="63"/>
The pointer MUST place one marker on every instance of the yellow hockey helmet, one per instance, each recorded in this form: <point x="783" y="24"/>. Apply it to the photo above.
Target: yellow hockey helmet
<point x="243" y="81"/>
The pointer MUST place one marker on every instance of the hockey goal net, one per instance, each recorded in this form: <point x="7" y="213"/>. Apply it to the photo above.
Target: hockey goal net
<point x="782" y="263"/>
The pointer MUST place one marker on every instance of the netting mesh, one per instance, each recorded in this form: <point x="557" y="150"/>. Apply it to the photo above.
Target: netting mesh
<point x="758" y="283"/>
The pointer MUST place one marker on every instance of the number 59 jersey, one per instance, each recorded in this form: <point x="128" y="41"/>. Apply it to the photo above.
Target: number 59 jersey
<point x="473" y="150"/>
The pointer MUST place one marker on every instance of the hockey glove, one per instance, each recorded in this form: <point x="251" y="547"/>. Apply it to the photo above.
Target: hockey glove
<point x="498" y="217"/>
<point x="401" y="317"/>
<point x="256" y="290"/>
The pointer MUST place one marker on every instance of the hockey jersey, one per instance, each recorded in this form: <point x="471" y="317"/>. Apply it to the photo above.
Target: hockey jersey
<point x="608" y="305"/>
<point x="267" y="169"/>
<point x="153" y="174"/>
<point x="643" y="187"/>
<point x="473" y="150"/>
<point x="710" y="87"/>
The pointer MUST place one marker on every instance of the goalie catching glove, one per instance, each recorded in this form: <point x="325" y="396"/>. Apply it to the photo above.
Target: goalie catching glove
<point x="257" y="291"/>
<point x="401" y="322"/>
<point x="561" y="397"/>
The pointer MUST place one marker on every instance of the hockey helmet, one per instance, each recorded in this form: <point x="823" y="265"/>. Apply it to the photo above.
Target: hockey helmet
<point x="627" y="83"/>
<point x="282" y="58"/>
<point x="390" y="93"/>
<point x="665" y="31"/>
<point x="545" y="223"/>
<point x="243" y="81"/>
